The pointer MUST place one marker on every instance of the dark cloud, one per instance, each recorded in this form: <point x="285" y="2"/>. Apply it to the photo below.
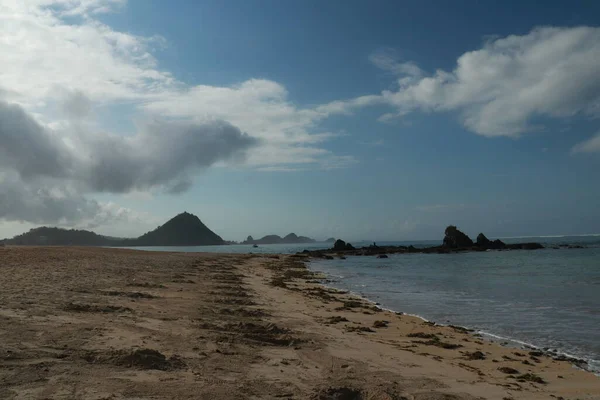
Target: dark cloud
<point x="43" y="173"/>
<point x="28" y="148"/>
<point x="41" y="203"/>
<point x="162" y="154"/>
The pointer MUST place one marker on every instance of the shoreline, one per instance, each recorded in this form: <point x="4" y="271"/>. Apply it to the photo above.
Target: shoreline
<point x="111" y="323"/>
<point x="583" y="362"/>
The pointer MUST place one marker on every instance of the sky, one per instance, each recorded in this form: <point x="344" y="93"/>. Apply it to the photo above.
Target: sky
<point x="380" y="120"/>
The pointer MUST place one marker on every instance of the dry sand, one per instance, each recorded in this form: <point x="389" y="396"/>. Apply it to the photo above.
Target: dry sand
<point x="85" y="323"/>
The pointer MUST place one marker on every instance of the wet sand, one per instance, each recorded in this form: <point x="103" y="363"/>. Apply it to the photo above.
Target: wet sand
<point x="90" y="323"/>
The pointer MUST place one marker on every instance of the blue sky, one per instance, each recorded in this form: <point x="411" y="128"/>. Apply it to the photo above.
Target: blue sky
<point x="362" y="120"/>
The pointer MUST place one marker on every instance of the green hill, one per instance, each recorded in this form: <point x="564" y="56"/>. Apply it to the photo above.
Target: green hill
<point x="183" y="230"/>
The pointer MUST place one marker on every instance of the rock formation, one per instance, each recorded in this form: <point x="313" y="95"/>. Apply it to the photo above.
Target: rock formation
<point x="340" y="245"/>
<point x="456" y="239"/>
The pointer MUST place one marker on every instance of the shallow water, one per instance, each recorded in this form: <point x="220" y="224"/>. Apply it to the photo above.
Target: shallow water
<point x="547" y="298"/>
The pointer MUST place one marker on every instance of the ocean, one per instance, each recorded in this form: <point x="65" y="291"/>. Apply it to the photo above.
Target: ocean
<point x="544" y="298"/>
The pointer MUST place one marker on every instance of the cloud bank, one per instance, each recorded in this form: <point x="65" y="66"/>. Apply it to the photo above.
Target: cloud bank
<point x="60" y="63"/>
<point x="591" y="145"/>
<point x="43" y="173"/>
<point x="504" y="87"/>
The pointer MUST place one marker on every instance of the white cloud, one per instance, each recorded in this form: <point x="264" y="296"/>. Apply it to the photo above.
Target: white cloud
<point x="161" y="154"/>
<point x="45" y="57"/>
<point x="43" y="54"/>
<point x="592" y="145"/>
<point x="59" y="64"/>
<point x="502" y="87"/>
<point x="388" y="60"/>
<point x="44" y="176"/>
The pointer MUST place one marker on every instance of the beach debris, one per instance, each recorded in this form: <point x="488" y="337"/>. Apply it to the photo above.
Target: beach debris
<point x="380" y="324"/>
<point x="269" y="334"/>
<point x="359" y="329"/>
<point x="133" y="295"/>
<point x="460" y="329"/>
<point x="336" y="319"/>
<point x="423" y="335"/>
<point x="91" y="308"/>
<point x="434" y="340"/>
<point x="529" y="377"/>
<point x="140" y="358"/>
<point x="508" y="370"/>
<point x="146" y="285"/>
<point x="339" y="393"/>
<point x="476" y="355"/>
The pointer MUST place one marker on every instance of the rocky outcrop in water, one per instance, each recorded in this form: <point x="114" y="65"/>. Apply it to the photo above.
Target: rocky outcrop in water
<point x="484" y="242"/>
<point x="456" y="239"/>
<point x="340" y="245"/>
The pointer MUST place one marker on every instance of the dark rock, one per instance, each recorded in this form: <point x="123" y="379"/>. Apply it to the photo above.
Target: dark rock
<point x="339" y="245"/>
<point x="498" y="244"/>
<point x="456" y="239"/>
<point x="382" y="256"/>
<point x="483" y="241"/>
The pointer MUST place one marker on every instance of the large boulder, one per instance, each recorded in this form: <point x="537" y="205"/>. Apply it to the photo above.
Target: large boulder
<point x="340" y="245"/>
<point x="456" y="239"/>
<point x="497" y="244"/>
<point x="483" y="241"/>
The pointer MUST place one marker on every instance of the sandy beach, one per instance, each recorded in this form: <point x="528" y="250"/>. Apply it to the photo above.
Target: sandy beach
<point x="93" y="323"/>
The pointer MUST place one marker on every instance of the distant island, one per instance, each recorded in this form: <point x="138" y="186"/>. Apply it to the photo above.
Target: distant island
<point x="292" y="238"/>
<point x="184" y="229"/>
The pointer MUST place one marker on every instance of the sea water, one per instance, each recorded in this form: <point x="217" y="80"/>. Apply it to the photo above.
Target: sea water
<point x="545" y="298"/>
